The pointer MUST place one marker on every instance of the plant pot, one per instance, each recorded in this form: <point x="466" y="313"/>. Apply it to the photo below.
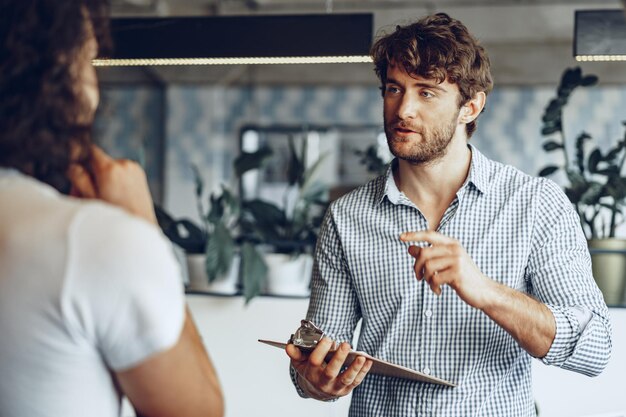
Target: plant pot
<point x="288" y="275"/>
<point x="608" y="260"/>
<point x="199" y="281"/>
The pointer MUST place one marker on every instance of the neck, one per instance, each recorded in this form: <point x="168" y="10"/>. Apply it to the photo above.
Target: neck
<point x="434" y="185"/>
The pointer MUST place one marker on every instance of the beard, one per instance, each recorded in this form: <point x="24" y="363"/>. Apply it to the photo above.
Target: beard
<point x="433" y="146"/>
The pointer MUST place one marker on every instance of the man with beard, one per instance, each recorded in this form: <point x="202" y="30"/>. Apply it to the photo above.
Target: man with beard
<point x="497" y="270"/>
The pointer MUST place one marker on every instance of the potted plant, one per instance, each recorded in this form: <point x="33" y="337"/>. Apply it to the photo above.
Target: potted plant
<point x="282" y="236"/>
<point x="210" y="248"/>
<point x="373" y="162"/>
<point x="595" y="186"/>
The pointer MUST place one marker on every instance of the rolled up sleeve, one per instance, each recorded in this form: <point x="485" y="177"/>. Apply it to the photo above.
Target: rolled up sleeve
<point x="561" y="277"/>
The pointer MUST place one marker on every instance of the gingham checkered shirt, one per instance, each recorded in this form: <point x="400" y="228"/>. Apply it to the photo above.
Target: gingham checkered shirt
<point x="519" y="230"/>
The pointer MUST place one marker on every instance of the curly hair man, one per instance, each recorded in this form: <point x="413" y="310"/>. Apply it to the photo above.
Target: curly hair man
<point x="91" y="301"/>
<point x="458" y="266"/>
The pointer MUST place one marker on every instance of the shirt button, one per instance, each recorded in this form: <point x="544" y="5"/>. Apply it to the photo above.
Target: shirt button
<point x="428" y="313"/>
<point x="426" y="371"/>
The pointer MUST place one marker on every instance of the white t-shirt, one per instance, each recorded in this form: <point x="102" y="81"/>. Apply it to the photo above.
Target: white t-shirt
<point x="85" y="288"/>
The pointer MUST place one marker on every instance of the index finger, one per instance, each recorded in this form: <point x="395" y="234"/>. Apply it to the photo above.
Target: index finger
<point x="429" y="236"/>
<point x="318" y="356"/>
<point x="295" y="354"/>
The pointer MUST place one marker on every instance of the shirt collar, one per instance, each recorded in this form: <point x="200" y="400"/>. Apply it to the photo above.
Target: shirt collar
<point x="480" y="169"/>
<point x="479" y="177"/>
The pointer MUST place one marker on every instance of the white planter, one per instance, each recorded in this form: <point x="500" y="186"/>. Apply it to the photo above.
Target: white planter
<point x="287" y="275"/>
<point x="199" y="281"/>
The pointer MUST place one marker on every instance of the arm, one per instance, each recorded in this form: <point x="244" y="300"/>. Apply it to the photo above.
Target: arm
<point x="559" y="268"/>
<point x="178" y="382"/>
<point x="567" y="323"/>
<point x="331" y="291"/>
<point x="527" y="320"/>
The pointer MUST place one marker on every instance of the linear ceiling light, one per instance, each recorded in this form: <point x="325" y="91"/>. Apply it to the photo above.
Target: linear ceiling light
<point x="600" y="35"/>
<point x="237" y="40"/>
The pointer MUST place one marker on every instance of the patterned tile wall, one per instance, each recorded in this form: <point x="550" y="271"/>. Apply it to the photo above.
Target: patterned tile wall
<point x="130" y="124"/>
<point x="200" y="125"/>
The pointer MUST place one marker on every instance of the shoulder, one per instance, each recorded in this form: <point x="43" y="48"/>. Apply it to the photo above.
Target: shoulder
<point x="122" y="273"/>
<point x="506" y="185"/>
<point x="512" y="182"/>
<point x="106" y="244"/>
<point x="110" y="228"/>
<point x="541" y="198"/>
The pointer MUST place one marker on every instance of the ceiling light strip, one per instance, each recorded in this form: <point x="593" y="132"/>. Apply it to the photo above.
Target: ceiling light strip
<point x="233" y="61"/>
<point x="586" y="58"/>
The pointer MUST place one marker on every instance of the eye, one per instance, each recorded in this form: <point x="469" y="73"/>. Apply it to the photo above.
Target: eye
<point x="391" y="89"/>
<point x="427" y="94"/>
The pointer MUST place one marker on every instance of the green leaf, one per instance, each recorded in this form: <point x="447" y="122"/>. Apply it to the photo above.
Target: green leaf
<point x="573" y="195"/>
<point x="578" y="186"/>
<point x="577" y="180"/>
<point x="314" y="191"/>
<point x="571" y="78"/>
<point x="253" y="271"/>
<point x="594" y="159"/>
<point x="198" y="181"/>
<point x="589" y="80"/>
<point x="616" y="188"/>
<point x="549" y="170"/>
<point x="310" y="176"/>
<point x="609" y="171"/>
<point x="232" y="207"/>
<point x="553" y="112"/>
<point x="251" y="160"/>
<point x="551" y="146"/>
<point x="592" y="194"/>
<point x="295" y="167"/>
<point x="265" y="212"/>
<point x="188" y="236"/>
<point x="580" y="152"/>
<point x="550" y="129"/>
<point x="220" y="250"/>
<point x="164" y="219"/>
<point x="369" y="157"/>
<point x="216" y="208"/>
<point x="613" y="153"/>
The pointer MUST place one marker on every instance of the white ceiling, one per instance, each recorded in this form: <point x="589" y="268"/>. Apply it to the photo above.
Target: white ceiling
<point x="529" y="41"/>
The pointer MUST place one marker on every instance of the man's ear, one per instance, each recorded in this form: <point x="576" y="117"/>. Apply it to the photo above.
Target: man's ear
<point x="471" y="109"/>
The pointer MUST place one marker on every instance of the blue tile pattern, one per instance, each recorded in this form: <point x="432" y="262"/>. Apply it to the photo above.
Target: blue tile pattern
<point x="202" y="123"/>
<point x="129" y="124"/>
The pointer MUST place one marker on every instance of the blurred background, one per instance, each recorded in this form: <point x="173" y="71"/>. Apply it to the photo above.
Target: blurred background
<point x="172" y="118"/>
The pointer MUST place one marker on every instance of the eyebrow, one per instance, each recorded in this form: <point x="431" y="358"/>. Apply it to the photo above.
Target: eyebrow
<point x="423" y="84"/>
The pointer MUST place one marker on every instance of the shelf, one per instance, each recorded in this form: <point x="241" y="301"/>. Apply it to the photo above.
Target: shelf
<point x="239" y="294"/>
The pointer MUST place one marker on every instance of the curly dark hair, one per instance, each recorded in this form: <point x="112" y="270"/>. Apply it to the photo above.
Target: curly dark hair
<point x="40" y="131"/>
<point x="436" y="47"/>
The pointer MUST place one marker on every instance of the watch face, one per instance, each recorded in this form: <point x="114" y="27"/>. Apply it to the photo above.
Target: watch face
<point x="307" y="336"/>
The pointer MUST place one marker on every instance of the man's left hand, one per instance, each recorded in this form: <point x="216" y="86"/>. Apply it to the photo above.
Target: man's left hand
<point x="445" y="261"/>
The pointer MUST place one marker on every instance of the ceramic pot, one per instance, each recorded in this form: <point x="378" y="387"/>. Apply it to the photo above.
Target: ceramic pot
<point x="288" y="275"/>
<point x="199" y="281"/>
<point x="608" y="260"/>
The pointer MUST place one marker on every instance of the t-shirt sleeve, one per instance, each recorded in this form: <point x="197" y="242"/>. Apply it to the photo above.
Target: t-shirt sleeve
<point x="123" y="293"/>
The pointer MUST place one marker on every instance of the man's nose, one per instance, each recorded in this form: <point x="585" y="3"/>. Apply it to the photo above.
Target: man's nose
<point x="407" y="108"/>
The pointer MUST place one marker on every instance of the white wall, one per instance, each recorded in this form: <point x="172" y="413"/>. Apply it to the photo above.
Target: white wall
<point x="255" y="376"/>
<point x="256" y="382"/>
<point x="561" y="393"/>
